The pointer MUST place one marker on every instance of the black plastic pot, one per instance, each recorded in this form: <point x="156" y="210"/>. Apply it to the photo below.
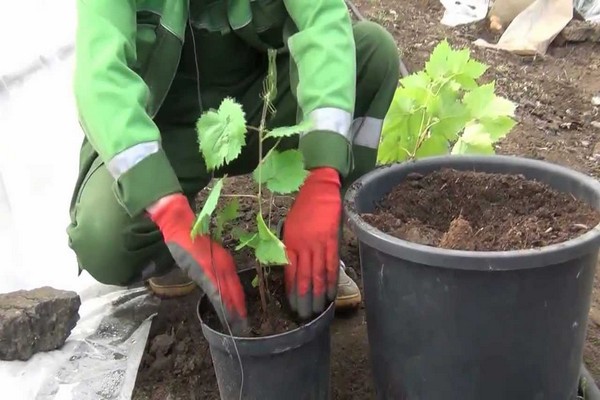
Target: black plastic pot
<point x="461" y="325"/>
<point x="292" y="365"/>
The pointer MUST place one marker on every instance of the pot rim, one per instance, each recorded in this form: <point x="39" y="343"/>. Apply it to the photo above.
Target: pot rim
<point x="326" y="314"/>
<point x="466" y="259"/>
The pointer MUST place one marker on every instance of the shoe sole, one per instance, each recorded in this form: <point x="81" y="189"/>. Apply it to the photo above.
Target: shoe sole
<point x="346" y="302"/>
<point x="171" y="291"/>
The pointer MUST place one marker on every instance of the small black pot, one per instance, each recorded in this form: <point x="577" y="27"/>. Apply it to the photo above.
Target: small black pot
<point x="462" y="325"/>
<point x="291" y="365"/>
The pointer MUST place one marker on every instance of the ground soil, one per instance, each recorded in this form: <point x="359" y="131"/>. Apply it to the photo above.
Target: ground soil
<point x="465" y="210"/>
<point x="556" y="123"/>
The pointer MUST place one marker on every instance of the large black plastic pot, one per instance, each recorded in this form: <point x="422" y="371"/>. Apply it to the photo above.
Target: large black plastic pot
<point x="293" y="365"/>
<point x="461" y="325"/>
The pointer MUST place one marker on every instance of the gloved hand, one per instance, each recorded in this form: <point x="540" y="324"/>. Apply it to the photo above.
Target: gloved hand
<point x="310" y="234"/>
<point x="205" y="261"/>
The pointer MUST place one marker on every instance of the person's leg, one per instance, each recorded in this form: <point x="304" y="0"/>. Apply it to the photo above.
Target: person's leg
<point x="114" y="248"/>
<point x="377" y="79"/>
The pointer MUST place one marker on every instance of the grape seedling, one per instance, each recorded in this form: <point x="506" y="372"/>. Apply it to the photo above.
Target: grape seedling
<point x="442" y="109"/>
<point x="221" y="136"/>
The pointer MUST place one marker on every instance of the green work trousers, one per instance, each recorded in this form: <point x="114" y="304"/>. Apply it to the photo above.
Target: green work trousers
<point x="116" y="249"/>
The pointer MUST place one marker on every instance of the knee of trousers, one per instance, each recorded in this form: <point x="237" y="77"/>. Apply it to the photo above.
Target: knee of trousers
<point x="377" y="47"/>
<point x="99" y="245"/>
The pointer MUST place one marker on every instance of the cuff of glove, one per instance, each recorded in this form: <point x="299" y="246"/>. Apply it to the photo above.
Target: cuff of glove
<point x="145" y="183"/>
<point x="326" y="149"/>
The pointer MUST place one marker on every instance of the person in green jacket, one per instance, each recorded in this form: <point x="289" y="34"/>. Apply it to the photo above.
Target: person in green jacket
<point x="145" y="72"/>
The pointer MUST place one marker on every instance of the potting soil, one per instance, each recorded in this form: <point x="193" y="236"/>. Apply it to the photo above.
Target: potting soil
<point x="476" y="211"/>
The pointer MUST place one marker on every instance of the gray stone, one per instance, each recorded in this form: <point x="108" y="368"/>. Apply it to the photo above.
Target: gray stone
<point x="36" y="320"/>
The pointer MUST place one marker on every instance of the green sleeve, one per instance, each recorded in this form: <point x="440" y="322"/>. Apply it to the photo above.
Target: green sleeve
<point x="324" y="53"/>
<point x="111" y="100"/>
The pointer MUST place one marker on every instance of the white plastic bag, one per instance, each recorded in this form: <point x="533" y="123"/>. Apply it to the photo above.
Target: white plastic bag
<point x="459" y="12"/>
<point x="589" y="9"/>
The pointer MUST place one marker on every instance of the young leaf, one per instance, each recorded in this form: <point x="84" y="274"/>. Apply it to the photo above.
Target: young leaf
<point x="483" y="103"/>
<point x="452" y="118"/>
<point x="222" y="134"/>
<point x="417" y="123"/>
<point x="247" y="239"/>
<point x="282" y="172"/>
<point x="474" y="69"/>
<point x="393" y="147"/>
<point x="437" y="66"/>
<point x="416" y="87"/>
<point x="457" y="60"/>
<point x="475" y="140"/>
<point x="432" y="146"/>
<point x="201" y="225"/>
<point x="269" y="249"/>
<point x="255" y="281"/>
<point x="227" y="214"/>
<point x="498" y="127"/>
<point x="463" y="147"/>
<point x="479" y="100"/>
<point x="285" y="131"/>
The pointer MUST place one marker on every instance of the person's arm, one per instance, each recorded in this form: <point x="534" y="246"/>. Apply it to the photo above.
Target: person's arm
<point x="111" y="100"/>
<point x="325" y="55"/>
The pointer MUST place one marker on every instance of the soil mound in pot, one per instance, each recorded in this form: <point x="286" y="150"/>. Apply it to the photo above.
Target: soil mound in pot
<point x="465" y="210"/>
<point x="279" y="317"/>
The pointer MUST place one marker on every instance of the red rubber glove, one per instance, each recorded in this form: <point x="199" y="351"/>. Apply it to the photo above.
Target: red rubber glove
<point x="310" y="234"/>
<point x="215" y="275"/>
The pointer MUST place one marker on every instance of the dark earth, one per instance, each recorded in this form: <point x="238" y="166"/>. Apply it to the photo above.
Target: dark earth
<point x="278" y="319"/>
<point x="557" y="123"/>
<point x="465" y="210"/>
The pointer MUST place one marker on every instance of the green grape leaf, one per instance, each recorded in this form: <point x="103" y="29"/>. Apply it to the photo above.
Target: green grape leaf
<point x="479" y="100"/>
<point x="417" y="123"/>
<point x="462" y="147"/>
<point x="226" y="215"/>
<point x="392" y="148"/>
<point x="246" y="239"/>
<point x="201" y="225"/>
<point x="452" y="118"/>
<point x="437" y="66"/>
<point x="286" y="131"/>
<point x="474" y="69"/>
<point x="401" y="104"/>
<point x="465" y="82"/>
<point x="498" y="127"/>
<point x="222" y="134"/>
<point x="457" y="60"/>
<point x="282" y="172"/>
<point x="255" y="281"/>
<point x="433" y="146"/>
<point x="483" y="103"/>
<point x="475" y="140"/>
<point x="415" y="87"/>
<point x="269" y="249"/>
<point x="501" y="107"/>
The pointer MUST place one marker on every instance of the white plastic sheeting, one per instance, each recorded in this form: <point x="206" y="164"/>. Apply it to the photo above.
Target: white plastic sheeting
<point x="459" y="12"/>
<point x="39" y="149"/>
<point x="590" y="9"/>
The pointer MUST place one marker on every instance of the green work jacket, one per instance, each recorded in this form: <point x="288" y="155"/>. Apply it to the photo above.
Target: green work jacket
<point x="128" y="52"/>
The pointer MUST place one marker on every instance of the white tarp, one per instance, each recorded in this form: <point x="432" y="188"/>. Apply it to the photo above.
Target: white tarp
<point x="459" y="12"/>
<point x="39" y="143"/>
